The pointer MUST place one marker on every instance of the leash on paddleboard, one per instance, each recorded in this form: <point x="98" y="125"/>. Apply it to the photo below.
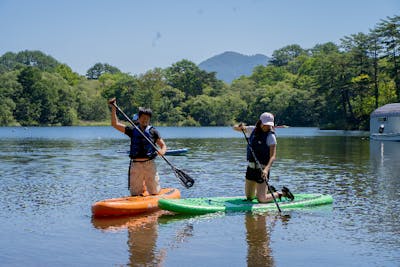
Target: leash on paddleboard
<point x="185" y="179"/>
<point x="259" y="167"/>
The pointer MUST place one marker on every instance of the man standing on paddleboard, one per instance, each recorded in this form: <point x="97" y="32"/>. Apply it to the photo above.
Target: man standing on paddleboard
<point x="261" y="153"/>
<point x="142" y="168"/>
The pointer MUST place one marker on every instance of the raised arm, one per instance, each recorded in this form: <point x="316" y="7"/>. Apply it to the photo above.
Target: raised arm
<point x="114" y="119"/>
<point x="241" y="127"/>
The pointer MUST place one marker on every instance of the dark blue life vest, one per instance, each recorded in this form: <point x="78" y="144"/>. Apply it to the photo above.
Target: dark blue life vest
<point x="260" y="147"/>
<point x="140" y="147"/>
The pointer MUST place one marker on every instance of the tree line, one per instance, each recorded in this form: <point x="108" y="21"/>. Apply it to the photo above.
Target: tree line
<point x="331" y="86"/>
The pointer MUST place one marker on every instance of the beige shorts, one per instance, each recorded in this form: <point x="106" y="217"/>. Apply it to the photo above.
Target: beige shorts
<point x="144" y="174"/>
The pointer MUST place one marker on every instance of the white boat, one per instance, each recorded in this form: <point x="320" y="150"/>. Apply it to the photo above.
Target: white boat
<point x="385" y="123"/>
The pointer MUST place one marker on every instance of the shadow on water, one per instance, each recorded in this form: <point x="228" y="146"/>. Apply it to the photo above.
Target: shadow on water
<point x="385" y="160"/>
<point x="258" y="238"/>
<point x="143" y="231"/>
<point x="385" y="169"/>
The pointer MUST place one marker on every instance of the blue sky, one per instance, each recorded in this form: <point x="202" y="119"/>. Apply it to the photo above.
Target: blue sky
<point x="137" y="36"/>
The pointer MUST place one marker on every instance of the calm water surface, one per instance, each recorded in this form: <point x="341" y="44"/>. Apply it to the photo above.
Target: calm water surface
<point x="49" y="177"/>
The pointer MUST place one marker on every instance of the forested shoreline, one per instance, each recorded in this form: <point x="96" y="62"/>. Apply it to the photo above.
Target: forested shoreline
<point x="331" y="86"/>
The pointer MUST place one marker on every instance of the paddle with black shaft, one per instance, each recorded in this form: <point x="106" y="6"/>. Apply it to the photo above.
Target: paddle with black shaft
<point x="259" y="167"/>
<point x="185" y="179"/>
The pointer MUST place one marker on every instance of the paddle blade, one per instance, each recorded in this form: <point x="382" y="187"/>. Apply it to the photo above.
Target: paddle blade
<point x="185" y="179"/>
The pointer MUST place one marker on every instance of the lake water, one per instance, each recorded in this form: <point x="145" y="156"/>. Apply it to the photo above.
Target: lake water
<point x="49" y="177"/>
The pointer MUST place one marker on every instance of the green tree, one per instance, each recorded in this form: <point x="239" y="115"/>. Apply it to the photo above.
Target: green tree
<point x="123" y="87"/>
<point x="8" y="62"/>
<point x="361" y="72"/>
<point x="8" y="86"/>
<point x="211" y="85"/>
<point x="35" y="59"/>
<point x="227" y="108"/>
<point x="389" y="32"/>
<point x="57" y="100"/>
<point x="99" y="69"/>
<point x="66" y="72"/>
<point x="324" y="49"/>
<point x="6" y="112"/>
<point x="93" y="109"/>
<point x="47" y="98"/>
<point x="148" y="94"/>
<point x="244" y="89"/>
<point x="27" y="110"/>
<point x="44" y="99"/>
<point x="212" y="111"/>
<point x="357" y="46"/>
<point x="375" y="49"/>
<point x="91" y="105"/>
<point x="283" y="56"/>
<point x="326" y="69"/>
<point x="66" y="113"/>
<point x="190" y="79"/>
<point x="268" y="75"/>
<point x="295" y="107"/>
<point x="328" y="85"/>
<point x="170" y="110"/>
<point x="200" y="108"/>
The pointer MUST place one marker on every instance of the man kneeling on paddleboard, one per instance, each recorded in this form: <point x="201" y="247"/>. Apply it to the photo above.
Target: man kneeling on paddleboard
<point x="142" y="168"/>
<point x="261" y="153"/>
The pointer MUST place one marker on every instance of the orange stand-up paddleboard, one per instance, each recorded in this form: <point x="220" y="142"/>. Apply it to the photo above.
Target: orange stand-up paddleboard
<point x="132" y="205"/>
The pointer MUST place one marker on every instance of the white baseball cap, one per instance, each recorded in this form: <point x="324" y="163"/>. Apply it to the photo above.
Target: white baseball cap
<point x="267" y="119"/>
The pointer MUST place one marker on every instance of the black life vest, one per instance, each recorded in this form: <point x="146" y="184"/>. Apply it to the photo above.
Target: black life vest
<point x="140" y="147"/>
<point x="260" y="147"/>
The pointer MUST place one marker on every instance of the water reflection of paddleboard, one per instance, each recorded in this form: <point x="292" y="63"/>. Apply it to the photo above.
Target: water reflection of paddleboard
<point x="122" y="222"/>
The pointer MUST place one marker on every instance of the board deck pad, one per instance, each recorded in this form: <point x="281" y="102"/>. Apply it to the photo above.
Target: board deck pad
<point x="239" y="203"/>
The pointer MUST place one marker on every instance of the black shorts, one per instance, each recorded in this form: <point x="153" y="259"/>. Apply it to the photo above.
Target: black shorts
<point x="255" y="175"/>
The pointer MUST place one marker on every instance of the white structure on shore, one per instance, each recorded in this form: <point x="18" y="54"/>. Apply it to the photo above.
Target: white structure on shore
<point x="385" y="123"/>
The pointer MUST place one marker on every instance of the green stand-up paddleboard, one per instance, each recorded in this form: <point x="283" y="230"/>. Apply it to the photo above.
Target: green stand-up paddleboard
<point x="236" y="204"/>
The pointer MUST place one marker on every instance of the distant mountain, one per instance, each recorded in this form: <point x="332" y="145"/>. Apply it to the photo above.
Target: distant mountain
<point x="232" y="65"/>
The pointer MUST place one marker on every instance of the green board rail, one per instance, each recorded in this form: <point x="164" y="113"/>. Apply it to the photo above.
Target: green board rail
<point x="238" y="204"/>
